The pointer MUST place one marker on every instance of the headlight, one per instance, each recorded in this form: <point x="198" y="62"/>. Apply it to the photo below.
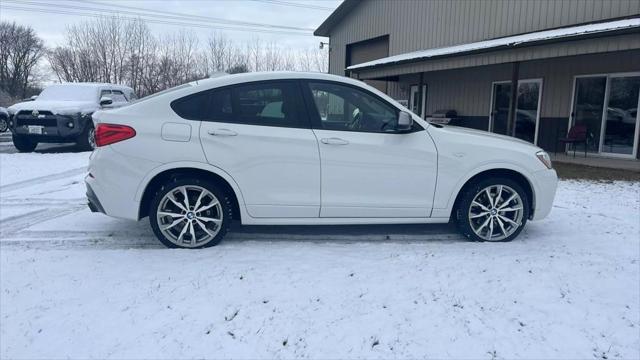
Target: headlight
<point x="545" y="158"/>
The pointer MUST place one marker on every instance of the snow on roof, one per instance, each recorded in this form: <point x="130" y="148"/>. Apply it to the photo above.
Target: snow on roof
<point x="91" y="84"/>
<point x="545" y="35"/>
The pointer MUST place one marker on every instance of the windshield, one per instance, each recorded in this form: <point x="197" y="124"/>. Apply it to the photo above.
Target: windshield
<point x="69" y="93"/>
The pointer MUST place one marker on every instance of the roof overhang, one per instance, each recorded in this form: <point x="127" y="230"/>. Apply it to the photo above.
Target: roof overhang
<point x="336" y="16"/>
<point x="570" y="33"/>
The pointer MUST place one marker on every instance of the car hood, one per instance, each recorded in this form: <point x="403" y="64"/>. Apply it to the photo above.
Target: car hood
<point x="57" y="107"/>
<point x="485" y="136"/>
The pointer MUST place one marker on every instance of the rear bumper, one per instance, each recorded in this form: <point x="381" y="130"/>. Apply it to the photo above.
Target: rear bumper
<point x="93" y="201"/>
<point x="546" y="183"/>
<point x="113" y="182"/>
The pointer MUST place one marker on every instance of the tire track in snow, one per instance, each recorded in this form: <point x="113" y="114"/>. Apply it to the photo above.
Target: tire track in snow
<point x="143" y="238"/>
<point x="42" y="179"/>
<point x="14" y="224"/>
<point x="42" y="202"/>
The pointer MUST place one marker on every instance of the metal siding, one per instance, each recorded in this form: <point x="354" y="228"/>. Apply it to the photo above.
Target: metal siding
<point x="611" y="43"/>
<point x="415" y="25"/>
<point x="468" y="90"/>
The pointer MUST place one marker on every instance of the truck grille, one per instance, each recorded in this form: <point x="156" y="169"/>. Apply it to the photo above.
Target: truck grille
<point x="44" y="118"/>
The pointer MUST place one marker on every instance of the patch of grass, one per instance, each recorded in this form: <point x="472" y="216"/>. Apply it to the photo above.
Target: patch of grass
<point x="575" y="171"/>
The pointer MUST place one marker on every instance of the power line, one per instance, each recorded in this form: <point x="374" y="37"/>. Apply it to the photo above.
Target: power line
<point x="293" y="4"/>
<point x="65" y="12"/>
<point x="171" y="16"/>
<point x="191" y="16"/>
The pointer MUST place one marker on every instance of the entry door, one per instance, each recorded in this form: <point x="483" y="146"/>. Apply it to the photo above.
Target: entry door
<point x="611" y="129"/>
<point x="418" y="106"/>
<point x="260" y="135"/>
<point x="369" y="170"/>
<point x="500" y="102"/>
<point x="588" y="107"/>
<point x="527" y="109"/>
<point x="620" y="135"/>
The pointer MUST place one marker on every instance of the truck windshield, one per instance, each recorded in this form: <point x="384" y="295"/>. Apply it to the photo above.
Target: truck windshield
<point x="69" y="93"/>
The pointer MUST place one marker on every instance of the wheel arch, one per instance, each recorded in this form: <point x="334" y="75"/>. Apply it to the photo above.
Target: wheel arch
<point x="162" y="175"/>
<point x="508" y="173"/>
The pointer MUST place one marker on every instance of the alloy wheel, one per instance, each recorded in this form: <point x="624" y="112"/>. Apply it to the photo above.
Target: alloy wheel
<point x="496" y="212"/>
<point x="189" y="216"/>
<point x="3" y="125"/>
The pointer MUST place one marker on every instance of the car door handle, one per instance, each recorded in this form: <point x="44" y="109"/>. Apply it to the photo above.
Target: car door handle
<point x="334" y="141"/>
<point x="222" y="132"/>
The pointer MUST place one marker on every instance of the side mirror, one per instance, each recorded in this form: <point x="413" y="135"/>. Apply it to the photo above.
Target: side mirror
<point x="405" y="121"/>
<point x="33" y="97"/>
<point x="105" y="100"/>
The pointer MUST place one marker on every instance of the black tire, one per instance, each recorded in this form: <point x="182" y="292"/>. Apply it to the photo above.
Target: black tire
<point x="4" y="125"/>
<point x="176" y="182"/>
<point x="23" y="143"/>
<point x="462" y="210"/>
<point x="86" y="141"/>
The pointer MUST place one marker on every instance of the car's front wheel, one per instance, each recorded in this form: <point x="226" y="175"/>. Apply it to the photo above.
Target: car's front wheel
<point x="492" y="209"/>
<point x="23" y="143"/>
<point x="4" y="125"/>
<point x="190" y="213"/>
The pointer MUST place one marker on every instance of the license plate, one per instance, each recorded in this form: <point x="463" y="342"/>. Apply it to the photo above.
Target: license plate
<point x="35" y="129"/>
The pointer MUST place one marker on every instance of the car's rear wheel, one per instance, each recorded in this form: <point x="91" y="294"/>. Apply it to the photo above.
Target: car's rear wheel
<point x="87" y="140"/>
<point x="23" y="143"/>
<point x="492" y="209"/>
<point x="190" y="213"/>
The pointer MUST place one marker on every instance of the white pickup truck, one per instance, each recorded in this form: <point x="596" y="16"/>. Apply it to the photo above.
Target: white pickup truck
<point x="62" y="113"/>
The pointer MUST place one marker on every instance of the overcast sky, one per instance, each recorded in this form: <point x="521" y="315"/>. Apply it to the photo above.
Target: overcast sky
<point x="292" y="13"/>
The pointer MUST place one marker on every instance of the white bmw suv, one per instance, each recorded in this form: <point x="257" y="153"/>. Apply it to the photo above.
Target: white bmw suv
<point x="288" y="148"/>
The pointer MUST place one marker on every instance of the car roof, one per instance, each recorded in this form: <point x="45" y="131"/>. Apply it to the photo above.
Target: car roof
<point x="95" y="85"/>
<point x="225" y="80"/>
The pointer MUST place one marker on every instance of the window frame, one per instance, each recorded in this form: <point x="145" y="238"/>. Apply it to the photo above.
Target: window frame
<point x="314" y="114"/>
<point x="302" y="120"/>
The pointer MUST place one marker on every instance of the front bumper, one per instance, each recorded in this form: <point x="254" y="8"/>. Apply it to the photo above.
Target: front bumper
<point x="54" y="127"/>
<point x="546" y="183"/>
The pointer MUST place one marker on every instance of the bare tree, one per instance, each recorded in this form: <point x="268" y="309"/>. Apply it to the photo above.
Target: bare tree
<point x="313" y="59"/>
<point x="123" y="51"/>
<point x="20" y="51"/>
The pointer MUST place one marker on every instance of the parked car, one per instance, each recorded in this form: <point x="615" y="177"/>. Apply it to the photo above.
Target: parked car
<point x="285" y="148"/>
<point x="4" y="120"/>
<point x="62" y="113"/>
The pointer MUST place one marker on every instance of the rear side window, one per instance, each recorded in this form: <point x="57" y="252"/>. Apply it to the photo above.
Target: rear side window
<point x="211" y="105"/>
<point x="268" y="104"/>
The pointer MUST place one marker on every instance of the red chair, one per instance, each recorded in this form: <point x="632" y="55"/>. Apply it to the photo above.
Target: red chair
<point x="577" y="135"/>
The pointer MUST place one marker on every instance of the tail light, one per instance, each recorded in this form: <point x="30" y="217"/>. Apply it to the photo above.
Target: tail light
<point x="107" y="134"/>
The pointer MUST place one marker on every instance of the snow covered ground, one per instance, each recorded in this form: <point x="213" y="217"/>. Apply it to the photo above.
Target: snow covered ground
<point x="80" y="285"/>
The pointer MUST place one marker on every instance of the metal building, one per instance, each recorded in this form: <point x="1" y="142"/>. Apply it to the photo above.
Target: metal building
<point x="576" y="64"/>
